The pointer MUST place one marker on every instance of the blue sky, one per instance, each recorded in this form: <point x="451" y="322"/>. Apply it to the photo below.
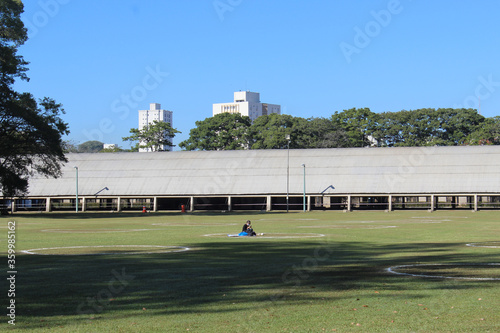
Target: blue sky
<point x="106" y="59"/>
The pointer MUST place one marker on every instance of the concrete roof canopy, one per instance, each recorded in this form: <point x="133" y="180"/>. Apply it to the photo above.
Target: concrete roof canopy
<point x="405" y="170"/>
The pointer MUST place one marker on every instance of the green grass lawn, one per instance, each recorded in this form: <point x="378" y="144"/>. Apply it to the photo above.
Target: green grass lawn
<point x="310" y="272"/>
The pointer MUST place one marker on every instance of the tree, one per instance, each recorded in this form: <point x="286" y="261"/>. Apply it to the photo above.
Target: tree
<point x="487" y="134"/>
<point x="455" y="125"/>
<point x="271" y="131"/>
<point x="358" y="124"/>
<point x="392" y="127"/>
<point x="90" y="147"/>
<point x="155" y="136"/>
<point x="322" y="133"/>
<point x="428" y="127"/>
<point x="30" y="131"/>
<point x="228" y="131"/>
<point x="224" y="131"/>
<point x="70" y="146"/>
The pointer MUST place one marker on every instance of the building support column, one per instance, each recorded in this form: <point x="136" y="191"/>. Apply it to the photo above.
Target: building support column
<point x="155" y="204"/>
<point x="308" y="203"/>
<point x="476" y="197"/>
<point x="13" y="205"/>
<point x="390" y="203"/>
<point x="47" y="205"/>
<point x="349" y="203"/>
<point x="119" y="205"/>
<point x="229" y="204"/>
<point x="433" y="203"/>
<point x="191" y="204"/>
<point x="84" y="204"/>
<point x="268" y="204"/>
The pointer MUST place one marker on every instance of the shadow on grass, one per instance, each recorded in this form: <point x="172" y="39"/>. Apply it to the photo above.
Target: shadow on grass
<point x="214" y="276"/>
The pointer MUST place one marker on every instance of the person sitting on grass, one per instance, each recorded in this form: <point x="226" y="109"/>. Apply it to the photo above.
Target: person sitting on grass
<point x="247" y="229"/>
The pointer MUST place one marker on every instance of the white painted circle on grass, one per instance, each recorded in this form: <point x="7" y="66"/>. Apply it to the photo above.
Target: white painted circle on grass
<point x="445" y="217"/>
<point x="92" y="231"/>
<point x="490" y="245"/>
<point x="192" y="224"/>
<point x="159" y="249"/>
<point x="308" y="219"/>
<point x="430" y="221"/>
<point x="394" y="269"/>
<point x="349" y="227"/>
<point x="271" y="235"/>
<point x="422" y="217"/>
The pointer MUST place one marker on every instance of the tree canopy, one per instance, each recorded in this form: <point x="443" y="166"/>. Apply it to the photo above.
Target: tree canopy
<point x="90" y="147"/>
<point x="358" y="124"/>
<point x="428" y="127"/>
<point x="224" y="131"/>
<point x="30" y="131"/>
<point x="348" y="128"/>
<point x="271" y="131"/>
<point x="155" y="136"/>
<point x="487" y="134"/>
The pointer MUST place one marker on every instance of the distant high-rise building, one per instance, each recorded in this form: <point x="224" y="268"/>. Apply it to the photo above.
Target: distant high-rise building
<point x="248" y="104"/>
<point x="147" y="117"/>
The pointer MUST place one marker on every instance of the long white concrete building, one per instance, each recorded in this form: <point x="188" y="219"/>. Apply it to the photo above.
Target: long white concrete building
<point x="347" y="178"/>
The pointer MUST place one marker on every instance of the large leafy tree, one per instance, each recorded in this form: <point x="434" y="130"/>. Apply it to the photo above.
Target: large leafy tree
<point x="323" y="133"/>
<point x="69" y="146"/>
<point x="90" y="147"/>
<point x="359" y="125"/>
<point x="455" y="125"/>
<point x="271" y="131"/>
<point x="224" y="131"/>
<point x="428" y="127"/>
<point x="407" y="128"/>
<point x="30" y="131"/>
<point x="156" y="136"/>
<point x="487" y="134"/>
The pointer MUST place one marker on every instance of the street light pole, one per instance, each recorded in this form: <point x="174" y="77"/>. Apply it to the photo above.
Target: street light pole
<point x="304" y="187"/>
<point x="287" y="171"/>
<point x="76" y="169"/>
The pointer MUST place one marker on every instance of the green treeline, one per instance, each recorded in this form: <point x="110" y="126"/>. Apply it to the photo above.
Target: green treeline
<point x="349" y="128"/>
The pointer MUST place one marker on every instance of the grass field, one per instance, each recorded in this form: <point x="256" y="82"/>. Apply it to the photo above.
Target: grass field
<point x="310" y="272"/>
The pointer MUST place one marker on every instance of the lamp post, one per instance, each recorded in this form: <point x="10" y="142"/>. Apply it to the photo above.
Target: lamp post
<point x="76" y="169"/>
<point x="287" y="171"/>
<point x="304" y="205"/>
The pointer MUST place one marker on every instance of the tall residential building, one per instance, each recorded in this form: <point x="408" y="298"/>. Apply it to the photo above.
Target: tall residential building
<point x="155" y="112"/>
<point x="248" y="104"/>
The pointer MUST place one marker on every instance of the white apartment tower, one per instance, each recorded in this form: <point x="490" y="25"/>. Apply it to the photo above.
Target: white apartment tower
<point x="155" y="112"/>
<point x="248" y="104"/>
